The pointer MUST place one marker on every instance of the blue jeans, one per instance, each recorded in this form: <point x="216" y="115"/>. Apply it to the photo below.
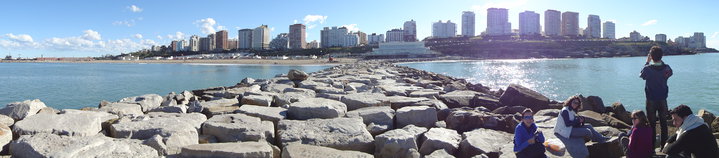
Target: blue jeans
<point x="588" y="131"/>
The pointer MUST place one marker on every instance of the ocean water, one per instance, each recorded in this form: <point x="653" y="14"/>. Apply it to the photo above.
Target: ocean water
<point x="695" y="81"/>
<point x="77" y="85"/>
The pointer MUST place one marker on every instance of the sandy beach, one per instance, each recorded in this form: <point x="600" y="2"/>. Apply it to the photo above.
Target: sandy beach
<point x="215" y="61"/>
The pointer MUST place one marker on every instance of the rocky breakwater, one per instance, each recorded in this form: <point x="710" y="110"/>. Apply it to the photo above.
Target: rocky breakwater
<point x="355" y="110"/>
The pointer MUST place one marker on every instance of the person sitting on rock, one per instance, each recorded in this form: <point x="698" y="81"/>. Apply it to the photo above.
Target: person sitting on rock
<point x="693" y="137"/>
<point x="527" y="140"/>
<point x="570" y="125"/>
<point x="638" y="142"/>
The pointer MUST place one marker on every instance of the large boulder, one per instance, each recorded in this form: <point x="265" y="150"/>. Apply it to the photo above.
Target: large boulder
<point x="6" y="136"/>
<point x="297" y="150"/>
<point x="486" y="141"/>
<point x="593" y="103"/>
<point x="517" y="95"/>
<point x="439" y="154"/>
<point x="619" y="112"/>
<point x="239" y="128"/>
<point x="71" y="124"/>
<point x="316" y="108"/>
<point x="440" y="138"/>
<point x="177" y="130"/>
<point x="416" y="115"/>
<point x="274" y="114"/>
<point x="425" y="93"/>
<point x="51" y="145"/>
<point x="610" y="149"/>
<point x="338" y="133"/>
<point x="378" y="119"/>
<point x="509" y="110"/>
<point x="122" y="109"/>
<point x="597" y="119"/>
<point x="464" y="120"/>
<point x="297" y="75"/>
<point x="397" y="102"/>
<point x="147" y="101"/>
<point x="456" y="99"/>
<point x="20" y="110"/>
<point x="231" y="150"/>
<point x="399" y="142"/>
<point x="362" y="100"/>
<point x="6" y="120"/>
<point x="259" y="100"/>
<point x="707" y="116"/>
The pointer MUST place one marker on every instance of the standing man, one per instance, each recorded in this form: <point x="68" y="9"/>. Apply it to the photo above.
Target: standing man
<point x="656" y="73"/>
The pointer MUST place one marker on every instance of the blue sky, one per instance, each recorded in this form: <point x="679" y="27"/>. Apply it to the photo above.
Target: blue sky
<point x="93" y="28"/>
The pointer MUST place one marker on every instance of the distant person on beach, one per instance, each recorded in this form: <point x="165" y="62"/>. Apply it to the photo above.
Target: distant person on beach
<point x="656" y="73"/>
<point x="571" y="125"/>
<point x="527" y="140"/>
<point x="693" y="137"/>
<point x="638" y="142"/>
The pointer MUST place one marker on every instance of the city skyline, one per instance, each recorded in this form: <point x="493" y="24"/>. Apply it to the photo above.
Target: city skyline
<point x="78" y="29"/>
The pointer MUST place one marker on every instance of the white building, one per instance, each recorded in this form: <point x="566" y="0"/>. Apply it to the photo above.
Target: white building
<point x="570" y="24"/>
<point x="443" y="30"/>
<point x="351" y="40"/>
<point x="375" y="38"/>
<point x="281" y="42"/>
<point x="498" y="22"/>
<point x="635" y="36"/>
<point x="698" y="40"/>
<point x="333" y="37"/>
<point x="261" y="38"/>
<point x="594" y="28"/>
<point x="552" y="22"/>
<point x="660" y="38"/>
<point x="395" y="35"/>
<point x="312" y="44"/>
<point x="529" y="23"/>
<point x="468" y="23"/>
<point x="244" y="38"/>
<point x="608" y="30"/>
<point x="410" y="31"/>
<point x="194" y="43"/>
<point x="401" y="49"/>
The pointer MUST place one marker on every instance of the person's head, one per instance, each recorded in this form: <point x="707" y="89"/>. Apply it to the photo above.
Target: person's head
<point x="527" y="117"/>
<point x="639" y="119"/>
<point x="573" y="102"/>
<point x="656" y="53"/>
<point x="679" y="114"/>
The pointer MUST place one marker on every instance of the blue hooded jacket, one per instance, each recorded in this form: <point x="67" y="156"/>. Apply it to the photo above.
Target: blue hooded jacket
<point x="521" y="136"/>
<point x="656" y="77"/>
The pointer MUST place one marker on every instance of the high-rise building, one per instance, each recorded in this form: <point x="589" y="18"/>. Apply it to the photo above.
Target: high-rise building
<point x="207" y="43"/>
<point x="232" y="44"/>
<point x="529" y="23"/>
<point x="281" y="42"/>
<point x="333" y="37"/>
<point x="312" y="44"/>
<point x="442" y="30"/>
<point x="194" y="43"/>
<point x="698" y="40"/>
<point x="173" y="45"/>
<point x="181" y="45"/>
<point x="362" y="38"/>
<point x="635" y="36"/>
<point x="570" y="24"/>
<point x="244" y="38"/>
<point x="552" y="23"/>
<point x="498" y="22"/>
<point x="608" y="30"/>
<point x="375" y="38"/>
<point x="395" y="35"/>
<point x="297" y="36"/>
<point x="221" y="40"/>
<point x="351" y="40"/>
<point x="261" y="38"/>
<point x="660" y="38"/>
<point x="594" y="27"/>
<point x="410" y="31"/>
<point x="468" y="23"/>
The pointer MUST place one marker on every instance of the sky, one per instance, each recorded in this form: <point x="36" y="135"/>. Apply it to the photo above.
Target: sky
<point x="82" y="28"/>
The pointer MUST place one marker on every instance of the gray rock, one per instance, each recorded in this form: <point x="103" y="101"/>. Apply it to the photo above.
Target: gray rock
<point x="238" y="91"/>
<point x="297" y="75"/>
<point x="285" y="99"/>
<point x="486" y="141"/>
<point x="316" y="108"/>
<point x="439" y="154"/>
<point x="48" y="110"/>
<point x="440" y="138"/>
<point x="157" y="143"/>
<point x="548" y="112"/>
<point x="230" y="150"/>
<point x="329" y="90"/>
<point x="220" y="110"/>
<point x="297" y="150"/>
<point x="464" y="120"/>
<point x="75" y="124"/>
<point x="457" y="99"/>
<point x="422" y="116"/>
<point x="170" y="109"/>
<point x="147" y="101"/>
<point x="275" y="87"/>
<point x="274" y="114"/>
<point x="20" y="110"/>
<point x="397" y="102"/>
<point x="259" y="100"/>
<point x="362" y="100"/>
<point x="397" y="143"/>
<point x="177" y="130"/>
<point x="338" y="133"/>
<point x="517" y="95"/>
<point x="122" y="109"/>
<point x="426" y="94"/>
<point x="6" y="136"/>
<point x="380" y="117"/>
<point x="50" y="145"/>
<point x="304" y="91"/>
<point x="239" y="128"/>
<point x="6" y="120"/>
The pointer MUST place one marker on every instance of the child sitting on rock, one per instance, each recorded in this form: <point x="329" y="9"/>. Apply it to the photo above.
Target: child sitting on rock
<point x="527" y="140"/>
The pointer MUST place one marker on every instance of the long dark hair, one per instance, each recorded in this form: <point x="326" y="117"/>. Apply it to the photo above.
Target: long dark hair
<point x="569" y="101"/>
<point x="643" y="121"/>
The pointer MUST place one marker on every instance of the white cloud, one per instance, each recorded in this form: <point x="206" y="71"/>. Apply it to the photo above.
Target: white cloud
<point x="650" y="22"/>
<point x="159" y="37"/>
<point x="20" y="37"/>
<point x="134" y="8"/>
<point x="219" y="27"/>
<point x="91" y="35"/>
<point x="295" y="21"/>
<point x="715" y="35"/>
<point x="177" y="36"/>
<point x="311" y="20"/>
<point x="272" y="29"/>
<point x="351" y="27"/>
<point x="138" y="36"/>
<point x="128" y="23"/>
<point x="207" y="25"/>
<point x="509" y="4"/>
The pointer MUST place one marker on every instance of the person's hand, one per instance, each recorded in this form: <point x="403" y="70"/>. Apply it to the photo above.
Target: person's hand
<point x="649" y="57"/>
<point x="531" y="140"/>
<point x="581" y="119"/>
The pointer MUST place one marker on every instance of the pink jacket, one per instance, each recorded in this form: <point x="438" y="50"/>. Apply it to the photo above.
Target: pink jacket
<point x="640" y="143"/>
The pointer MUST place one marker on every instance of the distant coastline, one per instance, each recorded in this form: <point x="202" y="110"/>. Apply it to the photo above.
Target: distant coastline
<point x="211" y="61"/>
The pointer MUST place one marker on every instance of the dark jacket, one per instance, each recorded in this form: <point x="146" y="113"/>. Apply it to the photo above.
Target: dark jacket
<point x="698" y="142"/>
<point x="571" y="123"/>
<point x="656" y="78"/>
<point x="522" y="134"/>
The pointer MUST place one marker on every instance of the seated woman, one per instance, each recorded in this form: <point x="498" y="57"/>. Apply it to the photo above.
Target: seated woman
<point x="571" y="125"/>
<point x="527" y="140"/>
<point x="638" y="144"/>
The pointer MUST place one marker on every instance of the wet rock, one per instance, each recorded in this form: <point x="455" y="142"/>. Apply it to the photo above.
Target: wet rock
<point x="440" y="138"/>
<point x="338" y="133"/>
<point x="378" y="119"/>
<point x="20" y="110"/>
<point x="147" y="101"/>
<point x="316" y="108"/>
<point x="274" y="114"/>
<point x="230" y="150"/>
<point x="297" y="150"/>
<point x="517" y="95"/>
<point x="416" y="115"/>
<point x="362" y="100"/>
<point x="50" y="145"/>
<point x="239" y="128"/>
<point x="486" y="141"/>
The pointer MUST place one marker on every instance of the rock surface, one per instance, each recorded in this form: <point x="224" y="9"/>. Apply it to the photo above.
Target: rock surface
<point x="416" y="115"/>
<point x="177" y="130"/>
<point x="147" y="101"/>
<point x="338" y="133"/>
<point x="517" y="95"/>
<point x="73" y="124"/>
<point x="440" y="138"/>
<point x="274" y="114"/>
<point x="297" y="150"/>
<point x="239" y="128"/>
<point x="362" y="100"/>
<point x="20" y="110"/>
<point x="316" y="108"/>
<point x="230" y="150"/>
<point x="397" y="143"/>
<point x="485" y="141"/>
<point x="378" y="119"/>
<point x="50" y="145"/>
